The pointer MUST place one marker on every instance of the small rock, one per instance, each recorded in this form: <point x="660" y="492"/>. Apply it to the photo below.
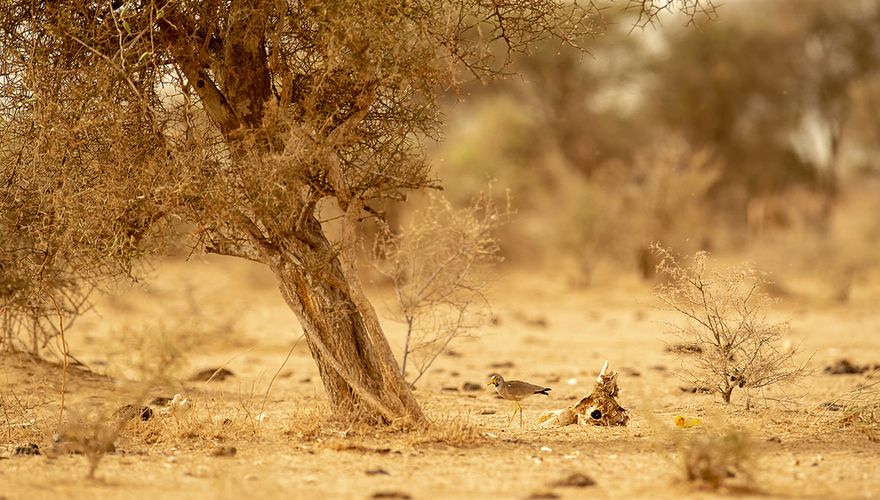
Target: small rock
<point x="774" y="439"/>
<point x="845" y="367"/>
<point x="223" y="451"/>
<point x="129" y="412"/>
<point x="378" y="471"/>
<point x="29" y="449"/>
<point x="502" y="364"/>
<point x="391" y="494"/>
<point x="695" y="390"/>
<point x="450" y="389"/>
<point x="218" y="374"/>
<point x="684" y="348"/>
<point x="472" y="386"/>
<point x="160" y="401"/>
<point x="488" y="412"/>
<point x="543" y="495"/>
<point x="574" y="480"/>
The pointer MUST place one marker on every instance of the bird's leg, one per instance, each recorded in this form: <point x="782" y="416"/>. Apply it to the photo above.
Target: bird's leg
<point x="510" y="420"/>
<point x="519" y="406"/>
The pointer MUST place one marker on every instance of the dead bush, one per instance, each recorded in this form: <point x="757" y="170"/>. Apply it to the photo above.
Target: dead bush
<point x="713" y="461"/>
<point x="725" y="318"/>
<point x="438" y="268"/>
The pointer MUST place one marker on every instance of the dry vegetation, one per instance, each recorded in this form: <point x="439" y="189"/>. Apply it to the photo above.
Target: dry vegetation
<point x="217" y="152"/>
<point x="439" y="267"/>
<point x="729" y="341"/>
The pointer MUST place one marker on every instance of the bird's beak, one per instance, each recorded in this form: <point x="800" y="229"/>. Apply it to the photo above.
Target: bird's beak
<point x="491" y="381"/>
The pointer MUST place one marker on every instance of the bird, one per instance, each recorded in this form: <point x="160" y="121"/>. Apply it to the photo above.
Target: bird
<point x="516" y="391"/>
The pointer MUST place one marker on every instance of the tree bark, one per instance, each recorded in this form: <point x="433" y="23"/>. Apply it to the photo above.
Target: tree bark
<point x="360" y="376"/>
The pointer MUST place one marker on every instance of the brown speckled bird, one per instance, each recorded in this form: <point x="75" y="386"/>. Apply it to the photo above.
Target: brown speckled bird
<point x="516" y="391"/>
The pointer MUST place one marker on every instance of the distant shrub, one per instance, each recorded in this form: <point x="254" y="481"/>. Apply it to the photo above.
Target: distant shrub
<point x="725" y="316"/>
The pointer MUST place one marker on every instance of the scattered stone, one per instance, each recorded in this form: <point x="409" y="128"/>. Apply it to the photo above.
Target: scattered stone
<point x="452" y="354"/>
<point x="543" y="495"/>
<point x="846" y="367"/>
<point x="532" y="321"/>
<point x="488" y="412"/>
<point x="575" y="480"/>
<point x="450" y="389"/>
<point x="129" y="412"/>
<point x="696" y="389"/>
<point x="659" y="368"/>
<point x="377" y="471"/>
<point x="684" y="348"/>
<point x="160" y="401"/>
<point x="472" y="386"/>
<point x="29" y="449"/>
<point x="502" y="364"/>
<point x="224" y="451"/>
<point x="391" y="494"/>
<point x="774" y="439"/>
<point x="305" y="380"/>
<point x="218" y="374"/>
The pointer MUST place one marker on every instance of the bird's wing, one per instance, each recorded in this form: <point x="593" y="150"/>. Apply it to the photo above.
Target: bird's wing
<point x="521" y="388"/>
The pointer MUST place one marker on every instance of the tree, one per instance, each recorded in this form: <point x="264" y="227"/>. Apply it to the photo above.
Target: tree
<point x="243" y="118"/>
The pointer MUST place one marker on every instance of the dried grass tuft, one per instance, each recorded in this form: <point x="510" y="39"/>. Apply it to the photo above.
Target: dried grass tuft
<point x="857" y="410"/>
<point x="717" y="461"/>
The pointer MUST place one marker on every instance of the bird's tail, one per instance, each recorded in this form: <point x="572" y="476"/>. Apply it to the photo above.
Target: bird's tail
<point x="545" y="391"/>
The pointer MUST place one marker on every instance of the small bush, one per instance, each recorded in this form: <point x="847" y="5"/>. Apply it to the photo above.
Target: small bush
<point x="725" y="314"/>
<point x="438" y="269"/>
<point x="715" y="461"/>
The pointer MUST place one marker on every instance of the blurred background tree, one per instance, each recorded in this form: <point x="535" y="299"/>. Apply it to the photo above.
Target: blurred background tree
<point x="709" y="138"/>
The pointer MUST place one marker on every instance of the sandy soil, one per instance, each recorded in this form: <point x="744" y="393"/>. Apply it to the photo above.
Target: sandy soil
<point x="215" y="312"/>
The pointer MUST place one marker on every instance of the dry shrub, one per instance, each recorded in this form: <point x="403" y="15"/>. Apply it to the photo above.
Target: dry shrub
<point x="439" y="268"/>
<point x="725" y="316"/>
<point x="37" y="294"/>
<point x="714" y="461"/>
<point x="857" y="410"/>
<point x="660" y="196"/>
<point x="206" y="424"/>
<point x="20" y="421"/>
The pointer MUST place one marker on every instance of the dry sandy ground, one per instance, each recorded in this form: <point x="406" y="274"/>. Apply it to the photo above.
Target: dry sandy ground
<point x="214" y="312"/>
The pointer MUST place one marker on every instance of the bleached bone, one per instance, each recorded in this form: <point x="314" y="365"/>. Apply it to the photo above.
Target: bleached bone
<point x="601" y="373"/>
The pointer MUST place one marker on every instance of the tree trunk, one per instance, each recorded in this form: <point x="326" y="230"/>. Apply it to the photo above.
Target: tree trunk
<point x="360" y="374"/>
